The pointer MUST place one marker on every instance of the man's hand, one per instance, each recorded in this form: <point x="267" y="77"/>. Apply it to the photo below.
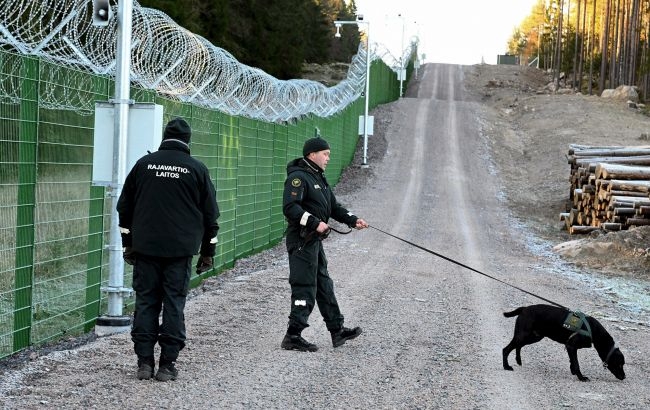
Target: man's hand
<point x="361" y="224"/>
<point x="322" y="227"/>
<point x="128" y="255"/>
<point x="204" y="264"/>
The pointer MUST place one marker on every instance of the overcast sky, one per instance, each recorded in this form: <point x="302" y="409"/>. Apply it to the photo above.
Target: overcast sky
<point x="450" y="31"/>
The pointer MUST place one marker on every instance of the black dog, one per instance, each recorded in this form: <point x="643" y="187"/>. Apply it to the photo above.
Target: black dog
<point x="538" y="321"/>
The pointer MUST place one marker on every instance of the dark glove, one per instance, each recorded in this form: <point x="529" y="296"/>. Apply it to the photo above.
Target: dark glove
<point x="129" y="255"/>
<point x="204" y="264"/>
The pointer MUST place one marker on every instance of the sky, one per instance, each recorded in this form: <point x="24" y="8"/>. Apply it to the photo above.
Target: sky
<point x="450" y="31"/>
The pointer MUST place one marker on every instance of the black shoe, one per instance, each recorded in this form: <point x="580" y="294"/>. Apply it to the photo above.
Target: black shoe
<point x="166" y="372"/>
<point x="339" y="337"/>
<point x="296" y="342"/>
<point x="145" y="371"/>
<point x="145" y="368"/>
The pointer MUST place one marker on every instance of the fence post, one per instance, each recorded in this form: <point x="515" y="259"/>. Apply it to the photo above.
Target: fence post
<point x="28" y="139"/>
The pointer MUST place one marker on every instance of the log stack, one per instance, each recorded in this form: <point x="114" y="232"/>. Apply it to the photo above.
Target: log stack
<point x="610" y="188"/>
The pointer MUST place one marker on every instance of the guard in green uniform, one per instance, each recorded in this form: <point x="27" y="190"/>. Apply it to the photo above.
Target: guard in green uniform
<point x="308" y="203"/>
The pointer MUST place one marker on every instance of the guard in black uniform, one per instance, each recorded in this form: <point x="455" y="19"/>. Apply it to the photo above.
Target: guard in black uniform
<point x="308" y="203"/>
<point x="168" y="212"/>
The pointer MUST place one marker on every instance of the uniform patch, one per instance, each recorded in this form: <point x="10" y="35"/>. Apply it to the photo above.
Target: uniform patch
<point x="296" y="182"/>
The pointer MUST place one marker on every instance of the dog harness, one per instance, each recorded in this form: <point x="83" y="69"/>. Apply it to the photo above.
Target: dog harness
<point x="575" y="322"/>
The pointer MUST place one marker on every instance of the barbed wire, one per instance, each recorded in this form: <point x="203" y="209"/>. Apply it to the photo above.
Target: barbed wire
<point x="165" y="57"/>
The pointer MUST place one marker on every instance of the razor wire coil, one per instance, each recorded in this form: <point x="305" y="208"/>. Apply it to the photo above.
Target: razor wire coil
<point x="165" y="57"/>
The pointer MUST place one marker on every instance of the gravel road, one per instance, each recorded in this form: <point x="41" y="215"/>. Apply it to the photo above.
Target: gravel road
<point x="433" y="330"/>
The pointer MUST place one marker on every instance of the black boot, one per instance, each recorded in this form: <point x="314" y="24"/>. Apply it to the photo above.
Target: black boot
<point x="296" y="342"/>
<point x="145" y="367"/>
<point x="166" y="370"/>
<point x="340" y="336"/>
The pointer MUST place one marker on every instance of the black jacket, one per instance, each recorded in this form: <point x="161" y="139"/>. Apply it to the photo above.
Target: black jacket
<point x="169" y="205"/>
<point x="308" y="199"/>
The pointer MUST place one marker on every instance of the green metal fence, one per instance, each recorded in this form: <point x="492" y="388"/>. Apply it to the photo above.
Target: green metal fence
<point x="54" y="222"/>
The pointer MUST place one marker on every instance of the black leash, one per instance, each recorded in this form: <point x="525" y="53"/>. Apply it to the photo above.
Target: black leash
<point x="465" y="266"/>
<point x="340" y="232"/>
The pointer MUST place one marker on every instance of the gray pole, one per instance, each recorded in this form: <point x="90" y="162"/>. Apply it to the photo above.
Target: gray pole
<point x="338" y="24"/>
<point x="401" y="62"/>
<point x="115" y="321"/>
<point x="367" y="95"/>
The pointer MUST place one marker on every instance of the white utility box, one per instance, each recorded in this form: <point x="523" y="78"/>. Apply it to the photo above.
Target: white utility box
<point x="371" y="125"/>
<point x="144" y="135"/>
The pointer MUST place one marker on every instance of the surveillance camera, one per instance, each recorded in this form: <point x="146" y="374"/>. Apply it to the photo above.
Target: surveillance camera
<point x="359" y="17"/>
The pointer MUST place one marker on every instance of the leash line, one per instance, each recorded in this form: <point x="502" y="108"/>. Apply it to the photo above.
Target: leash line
<point x="465" y="266"/>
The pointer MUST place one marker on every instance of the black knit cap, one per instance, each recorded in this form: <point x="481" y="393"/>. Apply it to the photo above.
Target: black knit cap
<point x="314" y="145"/>
<point x="178" y="129"/>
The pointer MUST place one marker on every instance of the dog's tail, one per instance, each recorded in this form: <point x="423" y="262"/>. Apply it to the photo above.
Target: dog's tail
<point x="515" y="312"/>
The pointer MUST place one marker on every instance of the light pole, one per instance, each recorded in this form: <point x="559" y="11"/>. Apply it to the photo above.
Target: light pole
<point x="402" y="74"/>
<point x="359" y="21"/>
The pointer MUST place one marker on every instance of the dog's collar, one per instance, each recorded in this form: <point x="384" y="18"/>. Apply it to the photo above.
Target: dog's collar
<point x="609" y="355"/>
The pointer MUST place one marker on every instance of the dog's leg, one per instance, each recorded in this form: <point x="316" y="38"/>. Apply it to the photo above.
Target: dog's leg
<point x="517" y="343"/>
<point x="574" y="365"/>
<point x="506" y="352"/>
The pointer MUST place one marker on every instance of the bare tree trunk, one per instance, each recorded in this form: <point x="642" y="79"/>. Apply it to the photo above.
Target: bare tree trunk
<point x="623" y="44"/>
<point x="644" y="56"/>
<point x="605" y="41"/>
<point x="558" y="48"/>
<point x="613" y="60"/>
<point x="592" y="48"/>
<point x="583" y="39"/>
<point x="635" y="39"/>
<point x="575" y="51"/>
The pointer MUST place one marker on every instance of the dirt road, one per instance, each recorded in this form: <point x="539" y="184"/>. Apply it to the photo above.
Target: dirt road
<point x="433" y="330"/>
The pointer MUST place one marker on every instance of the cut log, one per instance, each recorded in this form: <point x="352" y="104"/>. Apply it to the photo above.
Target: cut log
<point x="574" y="148"/>
<point x="611" y="226"/>
<point x="612" y="152"/>
<point x="615" y="171"/>
<point x="637" y="221"/>
<point x="635" y="194"/>
<point x="643" y="210"/>
<point x="630" y="199"/>
<point x="624" y="211"/>
<point x="576" y="229"/>
<point x="629" y="185"/>
<point x="573" y="216"/>
<point x="586" y="162"/>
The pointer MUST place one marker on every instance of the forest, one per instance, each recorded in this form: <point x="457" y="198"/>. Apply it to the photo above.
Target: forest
<point x="590" y="45"/>
<point x="276" y="36"/>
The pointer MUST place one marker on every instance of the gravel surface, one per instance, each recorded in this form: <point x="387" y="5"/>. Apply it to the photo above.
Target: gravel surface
<point x="442" y="176"/>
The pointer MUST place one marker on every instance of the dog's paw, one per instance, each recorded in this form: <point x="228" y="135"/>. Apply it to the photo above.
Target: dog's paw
<point x="518" y="360"/>
<point x="583" y="378"/>
<point x="508" y="368"/>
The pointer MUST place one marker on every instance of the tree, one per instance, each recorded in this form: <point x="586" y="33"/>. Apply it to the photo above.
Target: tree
<point x="276" y="37"/>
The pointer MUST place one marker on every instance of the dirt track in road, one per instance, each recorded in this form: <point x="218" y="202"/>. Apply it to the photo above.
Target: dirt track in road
<point x="433" y="331"/>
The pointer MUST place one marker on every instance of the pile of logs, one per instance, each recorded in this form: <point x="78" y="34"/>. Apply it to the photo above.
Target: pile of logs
<point x="610" y="188"/>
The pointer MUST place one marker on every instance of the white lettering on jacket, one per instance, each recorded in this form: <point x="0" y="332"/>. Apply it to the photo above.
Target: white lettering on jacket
<point x="170" y="168"/>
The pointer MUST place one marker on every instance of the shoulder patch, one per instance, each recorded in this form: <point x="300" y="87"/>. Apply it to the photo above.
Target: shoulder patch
<point x="296" y="182"/>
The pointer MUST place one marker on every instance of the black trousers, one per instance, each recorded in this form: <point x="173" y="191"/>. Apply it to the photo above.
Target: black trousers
<point x="310" y="285"/>
<point x="160" y="284"/>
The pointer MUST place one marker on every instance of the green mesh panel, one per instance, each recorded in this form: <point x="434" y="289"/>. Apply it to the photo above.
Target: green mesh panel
<point x="54" y="223"/>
